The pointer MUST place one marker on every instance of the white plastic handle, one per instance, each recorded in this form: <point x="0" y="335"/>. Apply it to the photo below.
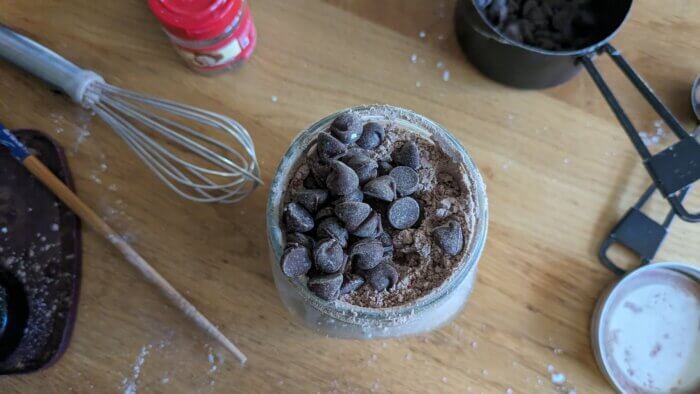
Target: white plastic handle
<point x="46" y="64"/>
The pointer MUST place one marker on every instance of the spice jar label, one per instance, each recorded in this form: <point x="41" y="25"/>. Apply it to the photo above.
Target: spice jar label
<point x="205" y="59"/>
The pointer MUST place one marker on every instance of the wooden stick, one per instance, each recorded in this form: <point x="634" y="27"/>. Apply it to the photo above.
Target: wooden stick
<point x="89" y="216"/>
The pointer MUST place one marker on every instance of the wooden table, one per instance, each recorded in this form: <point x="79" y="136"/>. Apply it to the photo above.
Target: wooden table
<point x="559" y="169"/>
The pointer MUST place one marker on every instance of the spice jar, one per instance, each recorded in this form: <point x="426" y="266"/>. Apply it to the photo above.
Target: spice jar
<point x="210" y="35"/>
<point x="344" y="320"/>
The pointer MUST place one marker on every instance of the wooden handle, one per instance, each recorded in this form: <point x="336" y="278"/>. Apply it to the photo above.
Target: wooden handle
<point x="89" y="216"/>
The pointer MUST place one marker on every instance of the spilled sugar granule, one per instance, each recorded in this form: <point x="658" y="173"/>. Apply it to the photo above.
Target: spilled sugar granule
<point x="558" y="378"/>
<point x="446" y="75"/>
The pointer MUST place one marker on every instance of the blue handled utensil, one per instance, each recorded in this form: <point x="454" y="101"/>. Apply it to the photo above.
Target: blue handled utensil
<point x="87" y="215"/>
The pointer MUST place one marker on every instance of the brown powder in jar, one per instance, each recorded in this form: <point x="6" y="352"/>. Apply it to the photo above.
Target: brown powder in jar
<point x="442" y="195"/>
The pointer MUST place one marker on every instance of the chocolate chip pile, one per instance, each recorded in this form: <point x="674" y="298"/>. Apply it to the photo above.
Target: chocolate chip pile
<point x="548" y="24"/>
<point x="357" y="195"/>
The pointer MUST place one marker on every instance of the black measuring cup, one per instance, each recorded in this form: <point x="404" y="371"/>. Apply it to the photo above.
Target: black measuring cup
<point x="512" y="63"/>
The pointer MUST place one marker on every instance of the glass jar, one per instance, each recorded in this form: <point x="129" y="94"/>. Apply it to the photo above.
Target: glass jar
<point x="344" y="320"/>
<point x="210" y="36"/>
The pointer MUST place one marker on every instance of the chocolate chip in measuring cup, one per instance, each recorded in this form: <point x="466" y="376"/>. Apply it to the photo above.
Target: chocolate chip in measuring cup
<point x="296" y="260"/>
<point x="311" y="199"/>
<point x="382" y="277"/>
<point x="512" y="30"/>
<point x="382" y="188"/>
<point x="372" y="135"/>
<point x="326" y="287"/>
<point x="403" y="213"/>
<point x="408" y="155"/>
<point x="342" y="180"/>
<point x="347" y="128"/>
<point x="352" y="213"/>
<point x="331" y="227"/>
<point x="297" y="218"/>
<point x="328" y="256"/>
<point x="406" y="179"/>
<point x="497" y="12"/>
<point x="366" y="253"/>
<point x="449" y="237"/>
<point x="329" y="148"/>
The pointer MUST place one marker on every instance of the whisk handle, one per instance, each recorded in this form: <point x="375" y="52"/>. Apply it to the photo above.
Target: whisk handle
<point x="46" y="64"/>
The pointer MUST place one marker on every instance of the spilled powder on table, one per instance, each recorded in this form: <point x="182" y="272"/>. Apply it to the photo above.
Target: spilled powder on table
<point x="131" y="382"/>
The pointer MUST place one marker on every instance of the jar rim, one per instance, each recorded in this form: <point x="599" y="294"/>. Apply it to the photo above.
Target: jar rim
<point x="407" y="118"/>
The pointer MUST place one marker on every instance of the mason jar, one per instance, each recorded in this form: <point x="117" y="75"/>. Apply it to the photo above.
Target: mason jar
<point x="345" y="320"/>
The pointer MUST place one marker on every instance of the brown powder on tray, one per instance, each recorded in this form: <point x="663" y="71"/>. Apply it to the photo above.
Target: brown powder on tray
<point x="421" y="264"/>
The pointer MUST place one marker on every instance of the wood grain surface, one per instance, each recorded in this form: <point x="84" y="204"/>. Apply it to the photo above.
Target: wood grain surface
<point x="559" y="170"/>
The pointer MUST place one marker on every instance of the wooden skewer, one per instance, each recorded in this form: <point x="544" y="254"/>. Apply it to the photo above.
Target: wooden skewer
<point x="39" y="170"/>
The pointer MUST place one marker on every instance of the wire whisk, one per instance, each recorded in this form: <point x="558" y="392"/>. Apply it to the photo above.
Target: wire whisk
<point x="201" y="155"/>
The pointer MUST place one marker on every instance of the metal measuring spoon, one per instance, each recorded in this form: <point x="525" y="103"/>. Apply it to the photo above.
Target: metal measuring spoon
<point x="637" y="231"/>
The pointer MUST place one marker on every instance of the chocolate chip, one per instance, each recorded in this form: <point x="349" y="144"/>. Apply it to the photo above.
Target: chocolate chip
<point x="332" y="228"/>
<point x="297" y="218"/>
<point x="385" y="239"/>
<point x="382" y="188"/>
<point x="384" y="168"/>
<point x="347" y="127"/>
<point x="364" y="166"/>
<point x="357" y="196"/>
<point x="387" y="244"/>
<point x="403" y="213"/>
<point x="372" y="135"/>
<point x="382" y="277"/>
<point x="326" y="287"/>
<point x="406" y="179"/>
<point x="300" y="239"/>
<point x="329" y="148"/>
<point x="366" y="253"/>
<point x="310" y="182"/>
<point x="311" y="199"/>
<point x="408" y="155"/>
<point x="318" y="169"/>
<point x="352" y="213"/>
<point x="351" y="283"/>
<point x="325" y="212"/>
<point x="370" y="228"/>
<point x="497" y="12"/>
<point x="449" y="237"/>
<point x="328" y="256"/>
<point x="342" y="179"/>
<point x="529" y="6"/>
<point x="296" y="261"/>
<point x="512" y="30"/>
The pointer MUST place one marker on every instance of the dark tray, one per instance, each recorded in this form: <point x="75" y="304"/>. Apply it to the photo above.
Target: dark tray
<point x="42" y="251"/>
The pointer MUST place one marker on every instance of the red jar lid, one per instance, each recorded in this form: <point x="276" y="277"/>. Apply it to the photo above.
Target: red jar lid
<point x="196" y="19"/>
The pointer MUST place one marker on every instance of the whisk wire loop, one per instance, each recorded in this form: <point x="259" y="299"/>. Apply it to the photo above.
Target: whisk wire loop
<point x="159" y="132"/>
